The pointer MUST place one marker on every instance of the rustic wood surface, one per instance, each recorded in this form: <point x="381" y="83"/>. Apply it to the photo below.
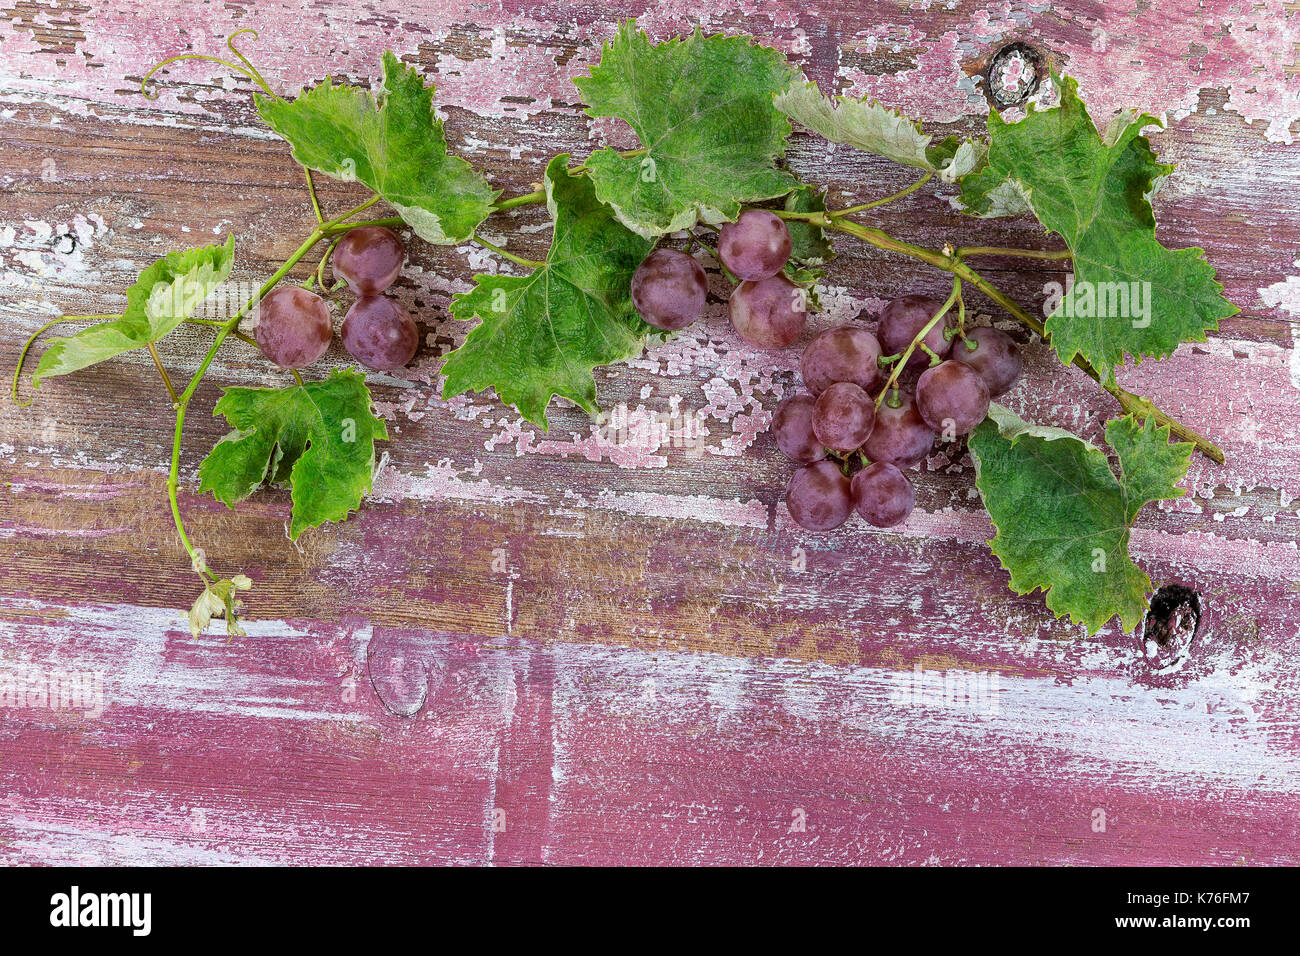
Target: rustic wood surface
<point x="549" y="648"/>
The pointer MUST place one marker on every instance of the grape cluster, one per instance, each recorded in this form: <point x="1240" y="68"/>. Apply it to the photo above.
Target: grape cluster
<point x="767" y="309"/>
<point x="837" y="424"/>
<point x="669" y="288"/>
<point x="852" y="441"/>
<point x="377" y="332"/>
<point x="294" y="328"/>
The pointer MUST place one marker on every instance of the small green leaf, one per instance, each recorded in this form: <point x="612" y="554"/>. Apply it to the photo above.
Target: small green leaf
<point x="543" y="333"/>
<point x="1063" y="518"/>
<point x="164" y="296"/>
<point x="218" y="600"/>
<point x="394" y="144"/>
<point x="1130" y="295"/>
<point x="702" y="107"/>
<point x="868" y="126"/>
<point x="810" y="246"/>
<point x="807" y="280"/>
<point x="319" y="437"/>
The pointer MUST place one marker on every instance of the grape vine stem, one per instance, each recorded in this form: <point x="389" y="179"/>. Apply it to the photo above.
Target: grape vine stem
<point x="884" y="200"/>
<point x="517" y="260"/>
<point x="229" y="328"/>
<point x="1054" y="255"/>
<point x="536" y="196"/>
<point x="953" y="262"/>
<point x="311" y="191"/>
<point x="919" y="340"/>
<point x="167" y="380"/>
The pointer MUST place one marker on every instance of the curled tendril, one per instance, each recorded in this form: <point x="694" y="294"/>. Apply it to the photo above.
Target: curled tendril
<point x="320" y="266"/>
<point x="256" y="76"/>
<point x="188" y="56"/>
<point x="247" y="71"/>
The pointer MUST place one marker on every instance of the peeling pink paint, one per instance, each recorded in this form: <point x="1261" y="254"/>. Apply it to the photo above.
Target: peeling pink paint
<point x="930" y="91"/>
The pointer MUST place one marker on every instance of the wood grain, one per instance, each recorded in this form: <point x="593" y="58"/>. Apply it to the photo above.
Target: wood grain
<point x="554" y="648"/>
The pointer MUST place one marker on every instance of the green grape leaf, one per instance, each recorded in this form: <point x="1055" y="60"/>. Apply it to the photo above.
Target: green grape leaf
<point x="542" y="334"/>
<point x="165" y="295"/>
<point x="702" y="107"/>
<point x="319" y="437"/>
<point x="1063" y="518"/>
<point x="393" y="143"/>
<point x="868" y="126"/>
<point x="1130" y="295"/>
<point x="810" y="246"/>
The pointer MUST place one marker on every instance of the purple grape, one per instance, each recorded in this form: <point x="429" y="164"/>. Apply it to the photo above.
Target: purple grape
<point x="819" y="496"/>
<point x="294" y="327"/>
<point x="669" y="289"/>
<point x="843" y="417"/>
<point x="793" y="430"/>
<point x="769" y="313"/>
<point x="901" y="436"/>
<point x="903" y="318"/>
<point x="952" y="398"/>
<point x="368" y="259"/>
<point x="996" y="357"/>
<point x="755" y="246"/>
<point x="379" y="333"/>
<point x="846" y="353"/>
<point x="882" y="494"/>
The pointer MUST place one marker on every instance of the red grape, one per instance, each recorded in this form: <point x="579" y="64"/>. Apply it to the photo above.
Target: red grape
<point x="379" y="333"/>
<point x="755" y="246"/>
<point x="669" y="289"/>
<point x="792" y="428"/>
<point x="769" y="313"/>
<point x="819" y="497"/>
<point x="368" y="259"/>
<point x="901" y="436"/>
<point x="843" y="417"/>
<point x="903" y="318"/>
<point x="995" y="356"/>
<point x="846" y="353"/>
<point x="882" y="494"/>
<point x="952" y="398"/>
<point x="293" y="327"/>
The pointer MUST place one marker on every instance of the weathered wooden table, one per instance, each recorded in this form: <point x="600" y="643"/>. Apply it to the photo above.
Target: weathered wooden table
<point x="547" y="648"/>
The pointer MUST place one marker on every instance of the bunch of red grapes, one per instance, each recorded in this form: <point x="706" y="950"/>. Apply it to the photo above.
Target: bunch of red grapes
<point x="852" y="440"/>
<point x="294" y="328"/>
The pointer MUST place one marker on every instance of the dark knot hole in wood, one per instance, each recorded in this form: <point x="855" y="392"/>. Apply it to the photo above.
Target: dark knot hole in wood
<point x="1171" y="624"/>
<point x="1013" y="75"/>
